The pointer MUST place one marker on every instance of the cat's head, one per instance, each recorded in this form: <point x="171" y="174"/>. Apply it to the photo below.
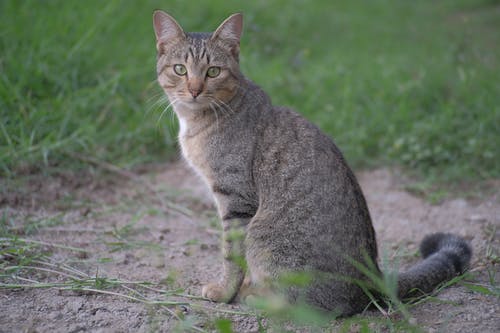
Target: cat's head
<point x="198" y="70"/>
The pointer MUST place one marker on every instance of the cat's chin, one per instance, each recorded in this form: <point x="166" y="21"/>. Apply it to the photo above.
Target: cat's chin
<point x="191" y="106"/>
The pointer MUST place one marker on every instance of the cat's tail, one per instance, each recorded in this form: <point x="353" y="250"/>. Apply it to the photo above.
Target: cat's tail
<point x="445" y="256"/>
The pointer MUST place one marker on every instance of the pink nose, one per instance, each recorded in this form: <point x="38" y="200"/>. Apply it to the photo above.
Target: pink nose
<point x="195" y="86"/>
<point x="195" y="92"/>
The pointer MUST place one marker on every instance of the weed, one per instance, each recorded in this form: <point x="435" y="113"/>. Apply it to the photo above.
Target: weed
<point x="193" y="241"/>
<point x="492" y="259"/>
<point x="428" y="191"/>
<point x="224" y="325"/>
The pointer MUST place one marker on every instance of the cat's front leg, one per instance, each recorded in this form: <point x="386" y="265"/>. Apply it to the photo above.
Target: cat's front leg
<point x="234" y="263"/>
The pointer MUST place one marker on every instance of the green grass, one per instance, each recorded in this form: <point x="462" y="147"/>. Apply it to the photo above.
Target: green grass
<point x="393" y="82"/>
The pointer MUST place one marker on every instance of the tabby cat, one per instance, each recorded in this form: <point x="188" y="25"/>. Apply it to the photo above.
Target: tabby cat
<point x="277" y="180"/>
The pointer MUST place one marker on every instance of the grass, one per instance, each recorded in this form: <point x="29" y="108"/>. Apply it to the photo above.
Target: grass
<point x="409" y="83"/>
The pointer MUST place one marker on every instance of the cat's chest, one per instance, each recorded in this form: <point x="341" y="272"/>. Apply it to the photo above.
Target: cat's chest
<point x="195" y="152"/>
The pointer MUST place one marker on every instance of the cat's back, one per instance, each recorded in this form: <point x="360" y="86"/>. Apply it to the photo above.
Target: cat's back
<point x="291" y="146"/>
<point x="306" y="189"/>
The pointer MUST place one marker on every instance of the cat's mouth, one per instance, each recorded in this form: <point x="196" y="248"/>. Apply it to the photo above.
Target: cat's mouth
<point x="195" y="103"/>
<point x="195" y="100"/>
<point x="201" y="101"/>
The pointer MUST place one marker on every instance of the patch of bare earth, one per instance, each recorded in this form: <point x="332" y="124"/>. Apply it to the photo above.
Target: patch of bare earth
<point x="130" y="234"/>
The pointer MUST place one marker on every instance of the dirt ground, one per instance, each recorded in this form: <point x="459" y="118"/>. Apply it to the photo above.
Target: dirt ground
<point x="133" y="232"/>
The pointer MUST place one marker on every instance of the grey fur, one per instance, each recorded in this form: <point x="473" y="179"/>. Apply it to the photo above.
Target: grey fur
<point x="278" y="179"/>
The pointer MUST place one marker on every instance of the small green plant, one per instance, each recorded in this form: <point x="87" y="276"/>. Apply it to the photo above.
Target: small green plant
<point x="224" y="325"/>
<point x="429" y="191"/>
<point x="192" y="242"/>
<point x="491" y="261"/>
<point x="171" y="279"/>
<point x="123" y="236"/>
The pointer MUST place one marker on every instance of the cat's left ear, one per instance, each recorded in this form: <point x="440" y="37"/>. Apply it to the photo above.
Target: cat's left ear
<point x="230" y="32"/>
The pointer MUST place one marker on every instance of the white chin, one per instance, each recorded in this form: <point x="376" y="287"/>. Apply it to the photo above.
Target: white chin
<point x="192" y="104"/>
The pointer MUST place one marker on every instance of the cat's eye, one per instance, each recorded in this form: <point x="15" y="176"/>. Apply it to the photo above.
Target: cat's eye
<point x="213" y="71"/>
<point x="180" y="70"/>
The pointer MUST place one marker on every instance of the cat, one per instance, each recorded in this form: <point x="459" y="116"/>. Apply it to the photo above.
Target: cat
<point x="287" y="199"/>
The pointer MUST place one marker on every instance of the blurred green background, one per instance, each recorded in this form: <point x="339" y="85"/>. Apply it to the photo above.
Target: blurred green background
<point x="411" y="83"/>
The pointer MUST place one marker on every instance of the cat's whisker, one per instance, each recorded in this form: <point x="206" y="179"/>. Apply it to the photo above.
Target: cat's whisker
<point x="214" y="109"/>
<point x="159" y="103"/>
<point x="215" y="105"/>
<point x="226" y="106"/>
<point x="155" y="95"/>
<point x="156" y="101"/>
<point x="172" y="117"/>
<point x="169" y="106"/>
<point x="153" y="100"/>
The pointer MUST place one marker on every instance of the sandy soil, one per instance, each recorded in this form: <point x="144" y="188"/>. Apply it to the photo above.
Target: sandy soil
<point x="130" y="234"/>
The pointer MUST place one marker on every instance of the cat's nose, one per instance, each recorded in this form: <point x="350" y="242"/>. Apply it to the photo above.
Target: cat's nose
<point x="195" y="87"/>
<point x="195" y="92"/>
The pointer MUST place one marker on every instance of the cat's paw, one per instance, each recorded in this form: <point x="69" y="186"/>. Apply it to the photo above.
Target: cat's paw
<point x="215" y="292"/>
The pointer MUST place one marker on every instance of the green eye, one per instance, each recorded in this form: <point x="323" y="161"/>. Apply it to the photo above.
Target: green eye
<point x="180" y="70"/>
<point x="213" y="71"/>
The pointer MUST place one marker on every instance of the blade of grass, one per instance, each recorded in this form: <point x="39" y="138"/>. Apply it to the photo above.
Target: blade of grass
<point x="37" y="242"/>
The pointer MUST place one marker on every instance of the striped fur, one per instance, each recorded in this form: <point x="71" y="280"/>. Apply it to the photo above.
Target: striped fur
<point x="288" y="201"/>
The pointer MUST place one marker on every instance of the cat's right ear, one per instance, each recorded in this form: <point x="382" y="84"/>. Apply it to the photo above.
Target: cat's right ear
<point x="166" y="28"/>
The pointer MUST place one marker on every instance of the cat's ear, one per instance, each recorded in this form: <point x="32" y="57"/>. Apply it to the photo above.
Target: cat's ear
<point x="166" y="28"/>
<point x="230" y="32"/>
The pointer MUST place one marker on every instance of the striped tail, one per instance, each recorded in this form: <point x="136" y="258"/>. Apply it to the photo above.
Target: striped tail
<point x="445" y="256"/>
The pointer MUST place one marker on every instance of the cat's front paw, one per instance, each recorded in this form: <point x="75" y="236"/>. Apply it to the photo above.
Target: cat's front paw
<point x="215" y="292"/>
